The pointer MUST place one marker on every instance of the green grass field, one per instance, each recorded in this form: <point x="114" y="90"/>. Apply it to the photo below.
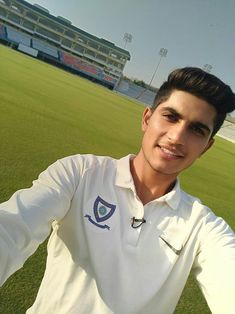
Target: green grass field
<point x="47" y="113"/>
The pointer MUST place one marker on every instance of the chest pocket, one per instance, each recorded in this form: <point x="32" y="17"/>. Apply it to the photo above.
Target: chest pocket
<point x="168" y="242"/>
<point x="172" y="243"/>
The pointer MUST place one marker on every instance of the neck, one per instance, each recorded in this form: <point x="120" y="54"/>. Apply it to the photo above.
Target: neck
<point x="149" y="183"/>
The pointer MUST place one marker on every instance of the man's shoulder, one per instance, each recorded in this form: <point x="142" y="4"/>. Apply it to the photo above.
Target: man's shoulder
<point x="84" y="162"/>
<point x="86" y="158"/>
<point x="193" y="209"/>
<point x="198" y="215"/>
<point x="194" y="205"/>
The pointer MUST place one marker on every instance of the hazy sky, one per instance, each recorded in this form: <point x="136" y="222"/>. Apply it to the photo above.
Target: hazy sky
<point x="195" y="32"/>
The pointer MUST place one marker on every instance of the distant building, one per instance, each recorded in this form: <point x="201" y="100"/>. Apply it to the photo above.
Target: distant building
<point x="33" y="30"/>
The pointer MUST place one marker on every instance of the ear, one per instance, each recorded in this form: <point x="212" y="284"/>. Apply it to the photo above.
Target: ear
<point x="145" y="118"/>
<point x="208" y="146"/>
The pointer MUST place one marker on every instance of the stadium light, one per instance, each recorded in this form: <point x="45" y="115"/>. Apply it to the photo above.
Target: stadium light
<point x="127" y="39"/>
<point x="162" y="53"/>
<point x="207" y="68"/>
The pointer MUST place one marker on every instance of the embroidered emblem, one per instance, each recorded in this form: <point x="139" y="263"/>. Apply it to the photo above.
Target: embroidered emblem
<point x="102" y="212"/>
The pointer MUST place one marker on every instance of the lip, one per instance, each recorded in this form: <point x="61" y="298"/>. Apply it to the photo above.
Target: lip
<point x="170" y="152"/>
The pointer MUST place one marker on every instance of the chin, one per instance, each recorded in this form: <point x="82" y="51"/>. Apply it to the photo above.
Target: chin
<point x="166" y="169"/>
<point x="163" y="169"/>
<point x="167" y="172"/>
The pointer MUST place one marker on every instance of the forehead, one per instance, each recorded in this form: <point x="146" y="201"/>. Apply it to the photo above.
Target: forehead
<point x="189" y="107"/>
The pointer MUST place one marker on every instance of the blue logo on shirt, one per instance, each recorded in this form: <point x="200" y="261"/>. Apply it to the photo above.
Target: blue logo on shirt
<point x="102" y="211"/>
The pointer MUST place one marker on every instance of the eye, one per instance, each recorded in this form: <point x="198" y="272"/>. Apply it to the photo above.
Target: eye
<point x="198" y="130"/>
<point x="171" y="117"/>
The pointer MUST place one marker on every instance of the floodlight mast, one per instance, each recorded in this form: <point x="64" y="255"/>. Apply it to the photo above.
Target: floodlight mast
<point x="162" y="53"/>
<point x="127" y="39"/>
<point x="207" y="68"/>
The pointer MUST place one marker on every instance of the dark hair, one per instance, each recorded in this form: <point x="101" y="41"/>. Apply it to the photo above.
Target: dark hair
<point x="203" y="85"/>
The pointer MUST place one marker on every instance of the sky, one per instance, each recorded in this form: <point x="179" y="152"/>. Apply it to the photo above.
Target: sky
<point x="195" y="32"/>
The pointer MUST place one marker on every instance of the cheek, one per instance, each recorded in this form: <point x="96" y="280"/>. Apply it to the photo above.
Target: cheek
<point x="150" y="134"/>
<point x="147" y="140"/>
<point x="156" y="128"/>
<point x="196" y="149"/>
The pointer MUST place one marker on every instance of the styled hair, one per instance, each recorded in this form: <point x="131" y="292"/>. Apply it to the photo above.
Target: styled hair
<point x="203" y="85"/>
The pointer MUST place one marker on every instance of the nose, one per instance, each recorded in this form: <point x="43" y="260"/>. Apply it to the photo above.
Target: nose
<point x="177" y="133"/>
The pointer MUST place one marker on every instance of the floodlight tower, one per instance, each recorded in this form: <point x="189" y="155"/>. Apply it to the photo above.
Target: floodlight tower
<point x="207" y="68"/>
<point x="162" y="53"/>
<point x="127" y="39"/>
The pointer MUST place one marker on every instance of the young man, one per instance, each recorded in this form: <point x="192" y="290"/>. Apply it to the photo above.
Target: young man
<point x="125" y="236"/>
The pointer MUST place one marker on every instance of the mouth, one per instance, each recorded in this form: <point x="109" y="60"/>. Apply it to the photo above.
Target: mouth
<point x="171" y="152"/>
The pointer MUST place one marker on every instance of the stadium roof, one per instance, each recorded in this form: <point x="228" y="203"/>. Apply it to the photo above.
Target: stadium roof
<point x="62" y="21"/>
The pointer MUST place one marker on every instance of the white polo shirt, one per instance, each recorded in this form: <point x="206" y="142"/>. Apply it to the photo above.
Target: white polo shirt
<point x="97" y="262"/>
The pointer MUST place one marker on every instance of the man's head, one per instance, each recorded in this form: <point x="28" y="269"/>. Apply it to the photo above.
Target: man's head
<point x="188" y="110"/>
<point x="203" y="85"/>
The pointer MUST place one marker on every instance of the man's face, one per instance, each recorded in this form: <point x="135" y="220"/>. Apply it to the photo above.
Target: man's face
<point x="177" y="132"/>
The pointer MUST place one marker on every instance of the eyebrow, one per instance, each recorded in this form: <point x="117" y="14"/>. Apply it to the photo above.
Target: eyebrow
<point x="196" y="123"/>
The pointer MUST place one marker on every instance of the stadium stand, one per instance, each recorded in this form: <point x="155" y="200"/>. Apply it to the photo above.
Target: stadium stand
<point x="77" y="63"/>
<point x="137" y="92"/>
<point x="43" y="47"/>
<point x="2" y="32"/>
<point x="83" y="67"/>
<point x="33" y="26"/>
<point x="109" y="79"/>
<point x="28" y="50"/>
<point x="18" y="37"/>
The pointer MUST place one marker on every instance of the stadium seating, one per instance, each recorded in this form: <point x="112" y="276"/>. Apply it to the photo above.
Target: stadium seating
<point x="18" y="37"/>
<point x="32" y="29"/>
<point x="108" y="78"/>
<point x="78" y="63"/>
<point x="134" y="91"/>
<point x="43" y="47"/>
<point x="84" y="67"/>
<point x="2" y="31"/>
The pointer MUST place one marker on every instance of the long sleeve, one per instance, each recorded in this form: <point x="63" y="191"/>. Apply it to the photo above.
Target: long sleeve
<point x="215" y="266"/>
<point x="26" y="218"/>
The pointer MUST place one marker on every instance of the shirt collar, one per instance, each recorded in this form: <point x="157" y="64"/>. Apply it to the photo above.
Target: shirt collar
<point x="173" y="197"/>
<point x="124" y="179"/>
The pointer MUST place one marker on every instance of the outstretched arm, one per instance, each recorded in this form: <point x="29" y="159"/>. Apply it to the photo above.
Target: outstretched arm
<point x="215" y="266"/>
<point x="26" y="218"/>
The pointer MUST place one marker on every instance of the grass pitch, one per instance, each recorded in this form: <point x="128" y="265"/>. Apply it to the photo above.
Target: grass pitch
<point x="47" y="113"/>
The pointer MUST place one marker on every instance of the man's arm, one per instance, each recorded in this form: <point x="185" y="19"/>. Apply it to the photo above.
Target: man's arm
<point x="215" y="266"/>
<point x="25" y="219"/>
